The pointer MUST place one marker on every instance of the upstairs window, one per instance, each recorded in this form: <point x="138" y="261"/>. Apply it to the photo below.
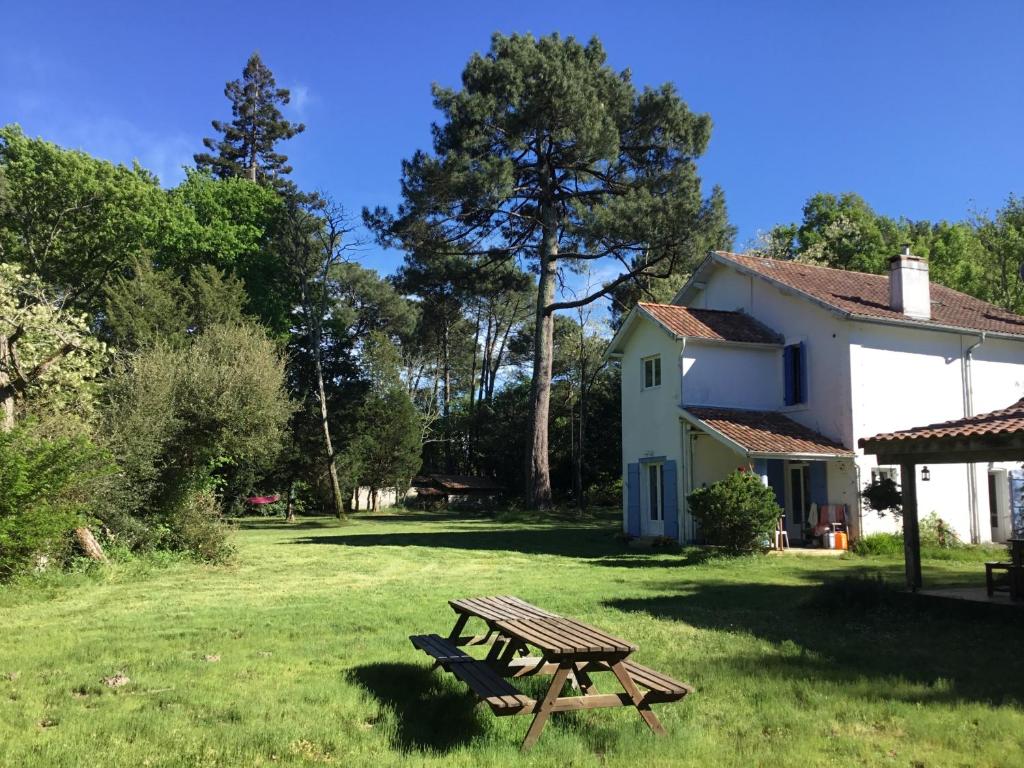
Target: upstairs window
<point x="794" y="364"/>
<point x="652" y="372"/>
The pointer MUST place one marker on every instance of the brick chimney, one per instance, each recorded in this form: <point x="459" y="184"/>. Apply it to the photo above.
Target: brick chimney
<point x="909" y="291"/>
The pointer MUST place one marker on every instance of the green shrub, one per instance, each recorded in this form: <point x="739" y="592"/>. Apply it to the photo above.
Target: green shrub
<point x="196" y="526"/>
<point x="738" y="513"/>
<point x="48" y="486"/>
<point x="879" y="544"/>
<point x="936" y="532"/>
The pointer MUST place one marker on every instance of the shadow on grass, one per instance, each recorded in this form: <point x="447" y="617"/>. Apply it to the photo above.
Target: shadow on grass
<point x="428" y="715"/>
<point x="659" y="559"/>
<point x="269" y="524"/>
<point x="946" y="652"/>
<point x="568" y="541"/>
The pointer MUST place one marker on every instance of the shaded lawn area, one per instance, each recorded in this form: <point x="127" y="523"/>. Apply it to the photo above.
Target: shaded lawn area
<point x="297" y="654"/>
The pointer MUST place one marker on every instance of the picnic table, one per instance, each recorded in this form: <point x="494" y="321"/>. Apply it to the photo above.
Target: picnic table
<point x="566" y="649"/>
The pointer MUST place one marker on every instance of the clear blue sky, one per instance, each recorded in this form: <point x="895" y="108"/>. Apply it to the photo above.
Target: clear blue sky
<point x="917" y="106"/>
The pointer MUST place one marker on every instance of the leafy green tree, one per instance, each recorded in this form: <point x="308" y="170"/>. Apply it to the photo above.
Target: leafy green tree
<point x="844" y="232"/>
<point x="548" y="154"/>
<point x="71" y="219"/>
<point x="48" y="485"/>
<point x="156" y="306"/>
<point x="49" y="359"/>
<point x="1002" y="236"/>
<point x="247" y="147"/>
<point x="234" y="226"/>
<point x="387" y="449"/>
<point x="185" y="422"/>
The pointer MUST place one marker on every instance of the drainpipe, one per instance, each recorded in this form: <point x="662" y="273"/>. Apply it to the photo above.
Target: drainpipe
<point x="972" y="475"/>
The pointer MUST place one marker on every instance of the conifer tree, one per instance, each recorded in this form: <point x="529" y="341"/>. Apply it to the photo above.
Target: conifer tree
<point x="246" y="148"/>
<point x="549" y="156"/>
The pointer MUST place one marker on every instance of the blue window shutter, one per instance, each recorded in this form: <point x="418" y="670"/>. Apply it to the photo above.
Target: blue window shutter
<point x="671" y="502"/>
<point x="818" y="482"/>
<point x="803" y="373"/>
<point x="633" y="499"/>
<point x="1017" y="501"/>
<point x="777" y="480"/>
<point x="787" y="370"/>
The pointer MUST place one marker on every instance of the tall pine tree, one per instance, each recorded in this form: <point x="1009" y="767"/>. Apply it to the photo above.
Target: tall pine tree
<point x="246" y="148"/>
<point x="548" y="155"/>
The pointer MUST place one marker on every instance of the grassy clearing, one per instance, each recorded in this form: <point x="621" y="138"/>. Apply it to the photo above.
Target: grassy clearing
<point x="297" y="655"/>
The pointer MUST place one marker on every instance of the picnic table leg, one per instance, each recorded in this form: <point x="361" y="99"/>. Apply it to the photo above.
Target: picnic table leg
<point x="543" y="711"/>
<point x="638" y="698"/>
<point x="582" y="680"/>
<point x="460" y="624"/>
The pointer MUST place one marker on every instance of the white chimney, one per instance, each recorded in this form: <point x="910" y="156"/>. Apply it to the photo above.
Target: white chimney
<point x="909" y="291"/>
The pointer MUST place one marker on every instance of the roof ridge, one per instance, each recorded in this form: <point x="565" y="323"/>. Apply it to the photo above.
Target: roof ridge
<point x="949" y="301"/>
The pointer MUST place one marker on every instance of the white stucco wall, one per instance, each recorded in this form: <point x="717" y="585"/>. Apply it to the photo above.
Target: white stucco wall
<point x="732" y="376"/>
<point x="905" y="377"/>
<point x="828" y="393"/>
<point x="650" y="417"/>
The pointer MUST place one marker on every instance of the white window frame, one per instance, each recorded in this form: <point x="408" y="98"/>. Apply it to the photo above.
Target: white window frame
<point x="655" y="361"/>
<point x="884" y="472"/>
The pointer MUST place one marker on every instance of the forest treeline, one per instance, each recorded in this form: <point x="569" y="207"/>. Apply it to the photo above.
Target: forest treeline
<point x="167" y="352"/>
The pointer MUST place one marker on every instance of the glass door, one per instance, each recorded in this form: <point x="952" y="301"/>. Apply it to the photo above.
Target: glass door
<point x="797" y="500"/>
<point x="653" y="512"/>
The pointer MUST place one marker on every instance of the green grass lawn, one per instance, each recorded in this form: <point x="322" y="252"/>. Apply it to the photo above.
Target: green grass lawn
<point x="297" y="654"/>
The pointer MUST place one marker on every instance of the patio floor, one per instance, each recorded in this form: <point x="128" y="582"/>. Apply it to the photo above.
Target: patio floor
<point x="974" y="595"/>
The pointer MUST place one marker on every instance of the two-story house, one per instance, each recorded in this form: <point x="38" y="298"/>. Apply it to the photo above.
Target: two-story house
<point x="779" y="367"/>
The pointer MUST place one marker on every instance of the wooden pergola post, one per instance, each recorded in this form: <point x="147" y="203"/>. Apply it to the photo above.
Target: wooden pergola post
<point x="911" y="530"/>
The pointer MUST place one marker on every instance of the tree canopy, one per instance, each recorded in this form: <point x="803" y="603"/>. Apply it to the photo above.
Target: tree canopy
<point x="247" y="147"/>
<point x="547" y="154"/>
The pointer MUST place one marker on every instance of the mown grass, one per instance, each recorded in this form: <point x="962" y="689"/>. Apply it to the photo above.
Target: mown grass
<point x="297" y="655"/>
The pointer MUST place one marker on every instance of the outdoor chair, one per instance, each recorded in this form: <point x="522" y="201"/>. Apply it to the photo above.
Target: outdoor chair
<point x="781" y="534"/>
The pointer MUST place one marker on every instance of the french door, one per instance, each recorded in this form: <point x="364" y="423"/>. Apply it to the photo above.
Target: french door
<point x="652" y="512"/>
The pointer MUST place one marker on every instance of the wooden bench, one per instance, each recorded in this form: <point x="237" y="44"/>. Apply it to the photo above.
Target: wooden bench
<point x="492" y="688"/>
<point x="661" y="688"/>
<point x="442" y="651"/>
<point x="499" y="694"/>
<point x="990" y="581"/>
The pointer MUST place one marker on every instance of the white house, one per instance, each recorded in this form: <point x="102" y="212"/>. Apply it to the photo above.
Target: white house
<point x="779" y="367"/>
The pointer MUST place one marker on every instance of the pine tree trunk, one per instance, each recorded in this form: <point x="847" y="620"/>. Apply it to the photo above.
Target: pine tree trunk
<point x="6" y="393"/>
<point x="578" y="479"/>
<point x="539" y="476"/>
<point x="447" y="403"/>
<point x="332" y="465"/>
<point x="290" y="510"/>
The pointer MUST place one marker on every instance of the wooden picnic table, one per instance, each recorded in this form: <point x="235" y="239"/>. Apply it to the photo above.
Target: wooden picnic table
<point x="569" y="650"/>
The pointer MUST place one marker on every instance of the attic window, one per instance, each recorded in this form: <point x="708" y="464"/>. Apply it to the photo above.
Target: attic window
<point x="652" y="372"/>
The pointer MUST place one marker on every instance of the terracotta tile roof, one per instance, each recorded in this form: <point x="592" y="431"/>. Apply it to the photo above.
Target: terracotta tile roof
<point x="1003" y="422"/>
<point x="711" y="324"/>
<point x="766" y="432"/>
<point x="865" y="295"/>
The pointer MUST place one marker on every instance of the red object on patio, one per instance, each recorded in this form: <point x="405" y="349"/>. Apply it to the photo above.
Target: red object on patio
<point x="263" y="499"/>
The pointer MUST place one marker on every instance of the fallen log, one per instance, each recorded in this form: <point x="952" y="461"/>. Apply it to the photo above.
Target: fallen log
<point x="89" y="545"/>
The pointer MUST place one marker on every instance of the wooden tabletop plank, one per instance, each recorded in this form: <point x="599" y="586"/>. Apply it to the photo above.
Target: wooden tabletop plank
<point x="562" y="637"/>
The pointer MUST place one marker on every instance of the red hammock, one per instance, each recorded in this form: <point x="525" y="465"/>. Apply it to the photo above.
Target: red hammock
<point x="263" y="499"/>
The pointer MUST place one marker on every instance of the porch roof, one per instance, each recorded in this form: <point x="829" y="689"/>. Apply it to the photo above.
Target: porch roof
<point x="993" y="436"/>
<point x="763" y="434"/>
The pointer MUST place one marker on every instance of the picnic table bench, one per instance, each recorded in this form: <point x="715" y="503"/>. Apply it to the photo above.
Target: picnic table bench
<point x="570" y="651"/>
